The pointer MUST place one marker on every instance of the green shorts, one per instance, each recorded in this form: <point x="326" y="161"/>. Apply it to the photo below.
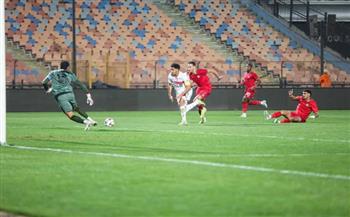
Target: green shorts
<point x="66" y="101"/>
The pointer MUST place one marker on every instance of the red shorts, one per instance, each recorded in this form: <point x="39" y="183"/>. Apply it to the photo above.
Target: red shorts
<point x="249" y="94"/>
<point x="203" y="92"/>
<point x="296" y="115"/>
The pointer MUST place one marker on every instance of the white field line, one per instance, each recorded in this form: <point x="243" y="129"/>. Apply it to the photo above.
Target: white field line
<point x="268" y="155"/>
<point x="193" y="162"/>
<point x="238" y="155"/>
<point x="240" y="135"/>
<point x="229" y="134"/>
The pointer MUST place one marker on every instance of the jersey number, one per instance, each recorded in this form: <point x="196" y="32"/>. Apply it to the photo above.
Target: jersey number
<point x="62" y="78"/>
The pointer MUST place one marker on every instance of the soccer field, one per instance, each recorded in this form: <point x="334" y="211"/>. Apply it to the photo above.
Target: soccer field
<point x="146" y="165"/>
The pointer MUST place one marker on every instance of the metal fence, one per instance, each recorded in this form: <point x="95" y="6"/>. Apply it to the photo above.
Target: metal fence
<point x="110" y="72"/>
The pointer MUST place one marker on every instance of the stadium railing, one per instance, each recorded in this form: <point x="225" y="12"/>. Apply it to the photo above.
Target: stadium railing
<point x="129" y="73"/>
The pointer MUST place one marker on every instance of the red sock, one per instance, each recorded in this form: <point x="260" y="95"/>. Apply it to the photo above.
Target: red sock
<point x="244" y="107"/>
<point x="255" y="102"/>
<point x="286" y="120"/>
<point x="276" y="115"/>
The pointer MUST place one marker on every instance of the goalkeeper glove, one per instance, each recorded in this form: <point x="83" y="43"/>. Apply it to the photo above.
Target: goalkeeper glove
<point x="89" y="100"/>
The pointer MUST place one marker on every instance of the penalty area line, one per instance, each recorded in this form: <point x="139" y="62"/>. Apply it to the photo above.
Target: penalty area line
<point x="192" y="162"/>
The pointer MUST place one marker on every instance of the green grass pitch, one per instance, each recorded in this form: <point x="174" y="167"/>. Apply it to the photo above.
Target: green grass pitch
<point x="146" y="165"/>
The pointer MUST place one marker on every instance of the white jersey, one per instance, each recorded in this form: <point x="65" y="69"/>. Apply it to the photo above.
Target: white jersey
<point x="179" y="83"/>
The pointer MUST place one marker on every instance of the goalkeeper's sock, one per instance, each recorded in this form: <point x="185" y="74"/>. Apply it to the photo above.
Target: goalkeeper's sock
<point x="81" y="113"/>
<point x="77" y="119"/>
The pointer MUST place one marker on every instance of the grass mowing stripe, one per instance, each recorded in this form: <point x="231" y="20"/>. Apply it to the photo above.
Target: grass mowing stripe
<point x="249" y="155"/>
<point x="242" y="135"/>
<point x="194" y="162"/>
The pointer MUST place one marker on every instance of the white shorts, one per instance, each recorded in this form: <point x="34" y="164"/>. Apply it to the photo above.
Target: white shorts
<point x="188" y="95"/>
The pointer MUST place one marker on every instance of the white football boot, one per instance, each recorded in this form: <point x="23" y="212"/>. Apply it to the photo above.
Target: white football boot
<point x="264" y="103"/>
<point x="267" y="115"/>
<point x="94" y="123"/>
<point x="88" y="124"/>
<point x="244" y="115"/>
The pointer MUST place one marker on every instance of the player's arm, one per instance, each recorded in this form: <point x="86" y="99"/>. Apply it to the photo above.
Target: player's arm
<point x="217" y="76"/>
<point x="241" y="83"/>
<point x="82" y="86"/>
<point x="290" y="94"/>
<point x="170" y="88"/>
<point x="314" y="109"/>
<point x="188" y="85"/>
<point x="257" y="82"/>
<point x="46" y="83"/>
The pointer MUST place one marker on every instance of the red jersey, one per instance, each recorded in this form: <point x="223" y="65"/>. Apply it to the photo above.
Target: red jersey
<point x="201" y="79"/>
<point x="249" y="80"/>
<point x="304" y="107"/>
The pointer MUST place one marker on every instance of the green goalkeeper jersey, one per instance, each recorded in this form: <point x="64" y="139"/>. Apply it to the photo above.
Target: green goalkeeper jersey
<point x="62" y="81"/>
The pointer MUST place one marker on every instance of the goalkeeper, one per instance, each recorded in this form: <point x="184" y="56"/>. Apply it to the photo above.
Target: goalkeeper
<point x="59" y="83"/>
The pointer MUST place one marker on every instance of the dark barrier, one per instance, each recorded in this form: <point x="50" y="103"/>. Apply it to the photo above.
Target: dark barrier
<point x="149" y="99"/>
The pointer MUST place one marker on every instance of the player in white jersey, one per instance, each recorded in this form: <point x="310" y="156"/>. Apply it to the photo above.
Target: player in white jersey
<point x="179" y="81"/>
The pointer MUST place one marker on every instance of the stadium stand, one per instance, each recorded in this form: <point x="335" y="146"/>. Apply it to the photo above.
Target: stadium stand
<point x="240" y="28"/>
<point x="21" y="72"/>
<point x="138" y="32"/>
<point x="134" y="27"/>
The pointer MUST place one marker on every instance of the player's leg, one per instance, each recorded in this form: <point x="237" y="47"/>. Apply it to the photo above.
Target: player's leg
<point x="196" y="101"/>
<point x="203" y="94"/>
<point x="186" y="99"/>
<point x="182" y="106"/>
<point x="250" y="95"/>
<point x="84" y="114"/>
<point x="203" y="110"/>
<point x="276" y="114"/>
<point x="289" y="116"/>
<point x="245" y="102"/>
<point x="76" y="108"/>
<point x="66" y="106"/>
<point x="67" y="109"/>
<point x="258" y="102"/>
<point x="295" y="117"/>
<point x="75" y="118"/>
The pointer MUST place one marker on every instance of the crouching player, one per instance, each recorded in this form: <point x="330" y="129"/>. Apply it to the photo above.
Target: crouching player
<point x="179" y="81"/>
<point x="305" y="107"/>
<point x="59" y="83"/>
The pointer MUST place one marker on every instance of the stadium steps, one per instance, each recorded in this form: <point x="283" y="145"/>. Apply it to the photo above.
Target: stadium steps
<point x="26" y="56"/>
<point x="296" y="35"/>
<point x="203" y="36"/>
<point x="197" y="32"/>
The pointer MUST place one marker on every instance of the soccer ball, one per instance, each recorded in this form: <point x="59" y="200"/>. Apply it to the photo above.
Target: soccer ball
<point x="109" y="122"/>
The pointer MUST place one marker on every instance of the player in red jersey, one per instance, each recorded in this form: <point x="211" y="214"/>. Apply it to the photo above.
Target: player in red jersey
<point x="250" y="81"/>
<point x="201" y="79"/>
<point x="305" y="107"/>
